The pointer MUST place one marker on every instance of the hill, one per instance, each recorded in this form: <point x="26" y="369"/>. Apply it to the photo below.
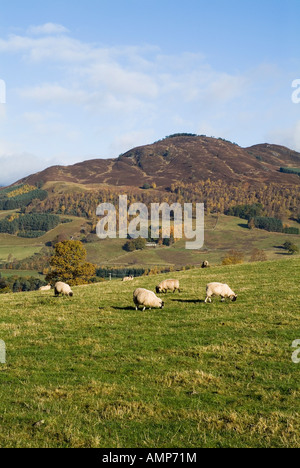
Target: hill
<point x="93" y="372"/>
<point x="181" y="158"/>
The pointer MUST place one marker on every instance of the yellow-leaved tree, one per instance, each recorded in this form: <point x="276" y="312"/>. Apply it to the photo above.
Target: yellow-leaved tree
<point x="68" y="264"/>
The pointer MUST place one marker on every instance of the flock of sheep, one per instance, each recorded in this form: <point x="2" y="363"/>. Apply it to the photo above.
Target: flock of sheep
<point x="148" y="299"/>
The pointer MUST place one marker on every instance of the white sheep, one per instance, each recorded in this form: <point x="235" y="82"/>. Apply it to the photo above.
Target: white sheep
<point x="128" y="278"/>
<point x="219" y="289"/>
<point x="168" y="285"/>
<point x="64" y="289"/>
<point x="143" y="297"/>
<point x="45" y="288"/>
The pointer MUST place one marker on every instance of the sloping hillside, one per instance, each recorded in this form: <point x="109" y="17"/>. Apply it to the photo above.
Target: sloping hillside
<point x="92" y="371"/>
<point x="188" y="158"/>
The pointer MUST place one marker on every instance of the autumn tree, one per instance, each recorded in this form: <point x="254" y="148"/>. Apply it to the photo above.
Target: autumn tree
<point x="234" y="257"/>
<point x="69" y="264"/>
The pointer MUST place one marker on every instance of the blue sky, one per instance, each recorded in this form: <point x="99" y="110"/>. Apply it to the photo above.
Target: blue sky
<point x="95" y="78"/>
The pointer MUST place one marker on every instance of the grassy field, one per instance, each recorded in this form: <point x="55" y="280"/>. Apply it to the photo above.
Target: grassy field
<point x="21" y="273"/>
<point x="92" y="372"/>
<point x="22" y="248"/>
<point x="220" y="237"/>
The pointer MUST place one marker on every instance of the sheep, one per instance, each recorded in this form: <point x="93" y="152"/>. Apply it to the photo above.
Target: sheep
<point x="168" y="285"/>
<point x="128" y="278"/>
<point x="143" y="297"/>
<point x="219" y="289"/>
<point x="63" y="289"/>
<point x="45" y="288"/>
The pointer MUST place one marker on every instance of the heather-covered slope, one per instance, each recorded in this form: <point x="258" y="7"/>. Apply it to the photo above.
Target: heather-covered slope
<point x="187" y="158"/>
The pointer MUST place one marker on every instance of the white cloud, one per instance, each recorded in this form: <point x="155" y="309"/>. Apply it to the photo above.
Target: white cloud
<point x="47" y="29"/>
<point x="15" y="166"/>
<point x="289" y="137"/>
<point x="124" y="142"/>
<point x="79" y="96"/>
<point x="53" y="92"/>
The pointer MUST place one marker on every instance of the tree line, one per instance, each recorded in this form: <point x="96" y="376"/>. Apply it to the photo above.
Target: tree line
<point x="20" y="196"/>
<point x="218" y="197"/>
<point x="29" y="225"/>
<point x="17" y="284"/>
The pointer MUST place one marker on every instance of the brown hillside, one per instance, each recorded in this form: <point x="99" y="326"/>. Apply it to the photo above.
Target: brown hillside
<point x="184" y="158"/>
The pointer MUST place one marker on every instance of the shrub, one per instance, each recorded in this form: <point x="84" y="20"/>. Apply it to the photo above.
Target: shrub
<point x="258" y="255"/>
<point x="269" y="224"/>
<point x="291" y="248"/>
<point x="234" y="257"/>
<point x="135" y="244"/>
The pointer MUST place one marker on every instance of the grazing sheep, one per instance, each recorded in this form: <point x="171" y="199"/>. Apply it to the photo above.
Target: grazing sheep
<point x="45" y="288"/>
<point x="128" y="278"/>
<point x="205" y="264"/>
<point x="168" y="285"/>
<point x="63" y="289"/>
<point x="219" y="289"/>
<point x="143" y="297"/>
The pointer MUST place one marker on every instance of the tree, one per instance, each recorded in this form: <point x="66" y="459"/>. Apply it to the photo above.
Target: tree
<point x="291" y="248"/>
<point x="69" y="265"/>
<point x="135" y="244"/>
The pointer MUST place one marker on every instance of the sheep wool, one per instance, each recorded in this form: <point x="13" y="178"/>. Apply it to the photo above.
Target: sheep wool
<point x="63" y="289"/>
<point x="168" y="285"/>
<point x="220" y="290"/>
<point x="128" y="278"/>
<point x="146" y="299"/>
<point x="45" y="288"/>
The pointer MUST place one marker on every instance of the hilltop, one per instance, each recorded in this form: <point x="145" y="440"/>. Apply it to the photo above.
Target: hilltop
<point x="186" y="158"/>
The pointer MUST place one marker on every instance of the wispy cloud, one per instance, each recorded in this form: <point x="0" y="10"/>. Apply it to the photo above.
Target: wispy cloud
<point x="90" y="99"/>
<point x="47" y="29"/>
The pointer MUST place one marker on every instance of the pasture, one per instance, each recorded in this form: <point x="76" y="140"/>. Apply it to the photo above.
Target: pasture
<point x="92" y="372"/>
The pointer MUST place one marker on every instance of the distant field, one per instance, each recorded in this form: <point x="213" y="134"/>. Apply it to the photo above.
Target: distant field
<point x="22" y="248"/>
<point x="18" y="251"/>
<point x="221" y="234"/>
<point x="93" y="372"/>
<point x="22" y="273"/>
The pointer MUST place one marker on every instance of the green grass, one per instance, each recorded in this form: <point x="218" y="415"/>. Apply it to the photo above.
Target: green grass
<point x="100" y="374"/>
<point x="228" y="233"/>
<point x="220" y="236"/>
<point x="22" y="248"/>
<point x="21" y="273"/>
